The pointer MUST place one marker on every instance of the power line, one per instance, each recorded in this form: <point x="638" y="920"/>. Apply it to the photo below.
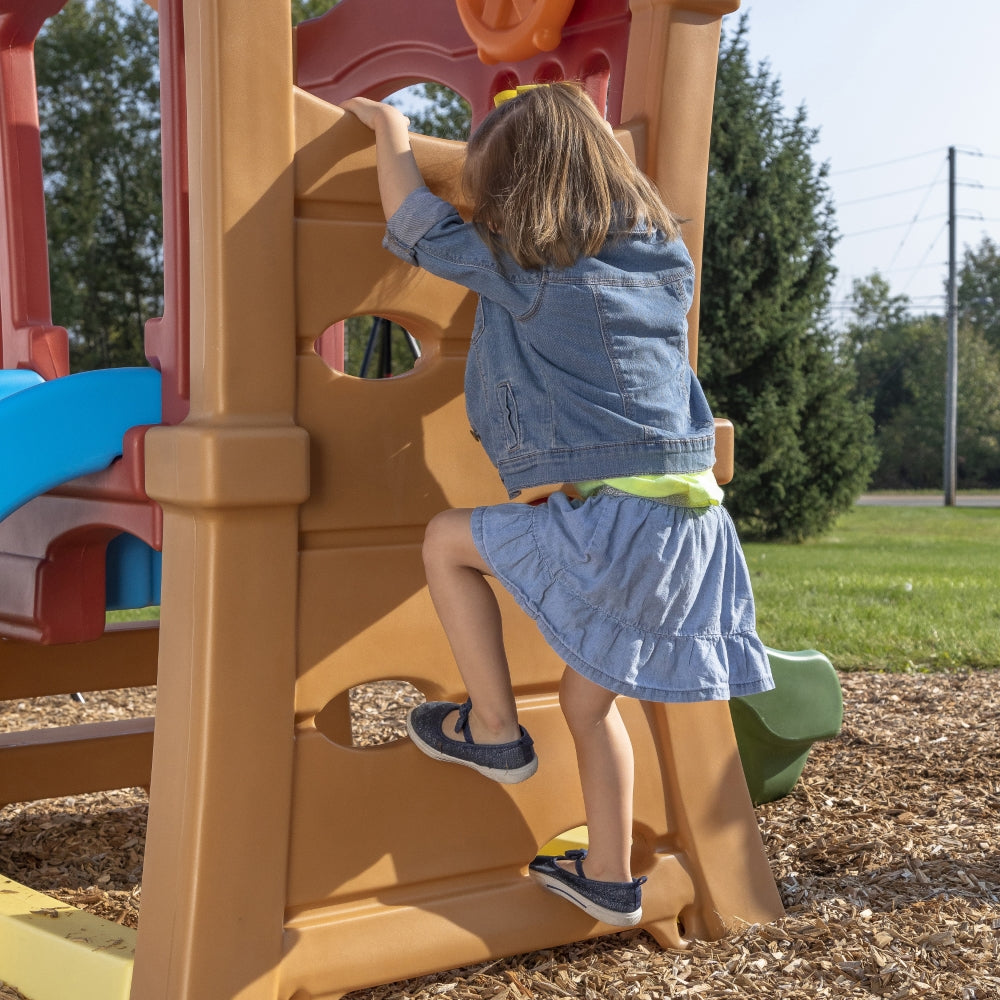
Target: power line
<point x="886" y="163"/>
<point x="923" y="265"/>
<point x="925" y="304"/>
<point x="913" y="302"/>
<point x="925" y="256"/>
<point x="917" y="218"/>
<point x="892" y="225"/>
<point x="975" y="151"/>
<point x="888" y="194"/>
<point x="906" y="236"/>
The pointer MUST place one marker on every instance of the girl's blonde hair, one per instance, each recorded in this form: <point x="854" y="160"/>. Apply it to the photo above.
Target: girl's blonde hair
<point x="549" y="183"/>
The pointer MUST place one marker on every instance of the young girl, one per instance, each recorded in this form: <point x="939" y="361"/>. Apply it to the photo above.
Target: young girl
<point x="577" y="372"/>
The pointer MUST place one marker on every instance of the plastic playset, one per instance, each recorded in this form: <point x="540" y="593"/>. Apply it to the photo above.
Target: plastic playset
<point x="274" y="507"/>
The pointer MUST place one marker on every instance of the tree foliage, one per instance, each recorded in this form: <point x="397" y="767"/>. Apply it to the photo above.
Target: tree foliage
<point x="979" y="290"/>
<point x="900" y="361"/>
<point x="439" y="111"/>
<point x="98" y="96"/>
<point x="767" y="358"/>
<point x="303" y="10"/>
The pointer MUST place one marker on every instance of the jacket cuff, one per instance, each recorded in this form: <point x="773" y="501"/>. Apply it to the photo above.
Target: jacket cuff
<point x="418" y="214"/>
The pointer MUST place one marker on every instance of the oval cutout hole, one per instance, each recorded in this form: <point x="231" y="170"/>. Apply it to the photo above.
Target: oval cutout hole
<point x="369" y="347"/>
<point x="369" y="715"/>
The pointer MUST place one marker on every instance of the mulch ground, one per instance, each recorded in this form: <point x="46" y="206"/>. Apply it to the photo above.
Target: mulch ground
<point x="886" y="854"/>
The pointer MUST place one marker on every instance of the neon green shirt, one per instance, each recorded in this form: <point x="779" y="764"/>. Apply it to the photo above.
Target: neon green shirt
<point x="691" y="489"/>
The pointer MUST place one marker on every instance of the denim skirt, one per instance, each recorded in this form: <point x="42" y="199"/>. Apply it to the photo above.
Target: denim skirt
<point x="645" y="598"/>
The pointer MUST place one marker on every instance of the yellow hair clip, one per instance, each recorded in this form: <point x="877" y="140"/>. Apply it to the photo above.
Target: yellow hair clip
<point x="509" y="95"/>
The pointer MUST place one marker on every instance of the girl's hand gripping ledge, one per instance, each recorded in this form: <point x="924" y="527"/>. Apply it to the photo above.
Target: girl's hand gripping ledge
<point x="398" y="173"/>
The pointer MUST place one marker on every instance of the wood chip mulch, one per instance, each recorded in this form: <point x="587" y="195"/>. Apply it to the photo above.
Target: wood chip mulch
<point x="886" y="854"/>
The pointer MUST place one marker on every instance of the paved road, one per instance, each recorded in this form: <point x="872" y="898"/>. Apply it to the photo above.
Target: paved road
<point x="927" y="500"/>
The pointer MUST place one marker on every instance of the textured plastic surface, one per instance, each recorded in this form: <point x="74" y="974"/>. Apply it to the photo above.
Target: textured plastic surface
<point x="775" y="730"/>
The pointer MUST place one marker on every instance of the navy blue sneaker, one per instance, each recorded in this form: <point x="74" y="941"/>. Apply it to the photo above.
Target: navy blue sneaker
<point x="508" y="763"/>
<point x="615" y="903"/>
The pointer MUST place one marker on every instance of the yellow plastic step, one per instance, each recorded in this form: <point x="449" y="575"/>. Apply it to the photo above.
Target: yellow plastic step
<point x="53" y="951"/>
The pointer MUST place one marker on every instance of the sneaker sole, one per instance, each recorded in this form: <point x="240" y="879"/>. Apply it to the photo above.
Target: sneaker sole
<point x="613" y="917"/>
<point x="512" y="776"/>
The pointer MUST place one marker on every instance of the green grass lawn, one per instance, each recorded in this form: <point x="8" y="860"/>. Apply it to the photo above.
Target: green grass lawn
<point x="134" y="615"/>
<point x="887" y="588"/>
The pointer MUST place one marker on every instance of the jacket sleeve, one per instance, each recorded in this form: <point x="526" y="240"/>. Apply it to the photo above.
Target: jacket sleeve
<point x="428" y="232"/>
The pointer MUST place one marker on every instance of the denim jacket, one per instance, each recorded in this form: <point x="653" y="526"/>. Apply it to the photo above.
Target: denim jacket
<point x="577" y="373"/>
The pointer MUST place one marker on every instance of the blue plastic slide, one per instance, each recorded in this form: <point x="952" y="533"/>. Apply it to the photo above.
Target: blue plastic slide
<point x="51" y="432"/>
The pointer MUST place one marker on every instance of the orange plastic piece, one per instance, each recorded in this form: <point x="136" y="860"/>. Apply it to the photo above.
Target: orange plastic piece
<point x="513" y="29"/>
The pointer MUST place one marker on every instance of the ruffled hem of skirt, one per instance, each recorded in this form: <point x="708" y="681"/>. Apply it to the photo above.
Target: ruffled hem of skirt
<point x="730" y="665"/>
<point x="722" y="691"/>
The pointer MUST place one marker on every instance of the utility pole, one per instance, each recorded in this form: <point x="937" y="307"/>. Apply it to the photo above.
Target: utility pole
<point x="951" y="378"/>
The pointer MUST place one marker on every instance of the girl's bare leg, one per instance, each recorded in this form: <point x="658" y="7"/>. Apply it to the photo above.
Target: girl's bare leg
<point x="607" y="773"/>
<point x="468" y="609"/>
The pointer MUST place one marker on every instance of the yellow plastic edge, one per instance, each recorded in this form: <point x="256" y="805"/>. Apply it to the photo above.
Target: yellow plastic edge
<point x="572" y="840"/>
<point x="53" y="951"/>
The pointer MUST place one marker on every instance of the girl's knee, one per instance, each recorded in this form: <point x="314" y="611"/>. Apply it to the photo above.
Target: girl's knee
<point x="447" y="538"/>
<point x="435" y="538"/>
<point x="584" y="704"/>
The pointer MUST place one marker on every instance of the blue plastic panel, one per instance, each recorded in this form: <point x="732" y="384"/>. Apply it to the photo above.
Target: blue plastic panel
<point x="133" y="574"/>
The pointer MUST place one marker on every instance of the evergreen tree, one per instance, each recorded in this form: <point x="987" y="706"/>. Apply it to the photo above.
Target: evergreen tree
<point x="98" y="96"/>
<point x="767" y="356"/>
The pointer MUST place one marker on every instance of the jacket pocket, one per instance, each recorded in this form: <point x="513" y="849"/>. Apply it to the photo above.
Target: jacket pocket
<point x="508" y="415"/>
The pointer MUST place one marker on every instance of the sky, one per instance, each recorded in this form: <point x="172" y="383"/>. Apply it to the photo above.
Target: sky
<point x="890" y="85"/>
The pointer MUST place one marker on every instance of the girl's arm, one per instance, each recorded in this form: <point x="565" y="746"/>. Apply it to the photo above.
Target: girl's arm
<point x="398" y="173"/>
